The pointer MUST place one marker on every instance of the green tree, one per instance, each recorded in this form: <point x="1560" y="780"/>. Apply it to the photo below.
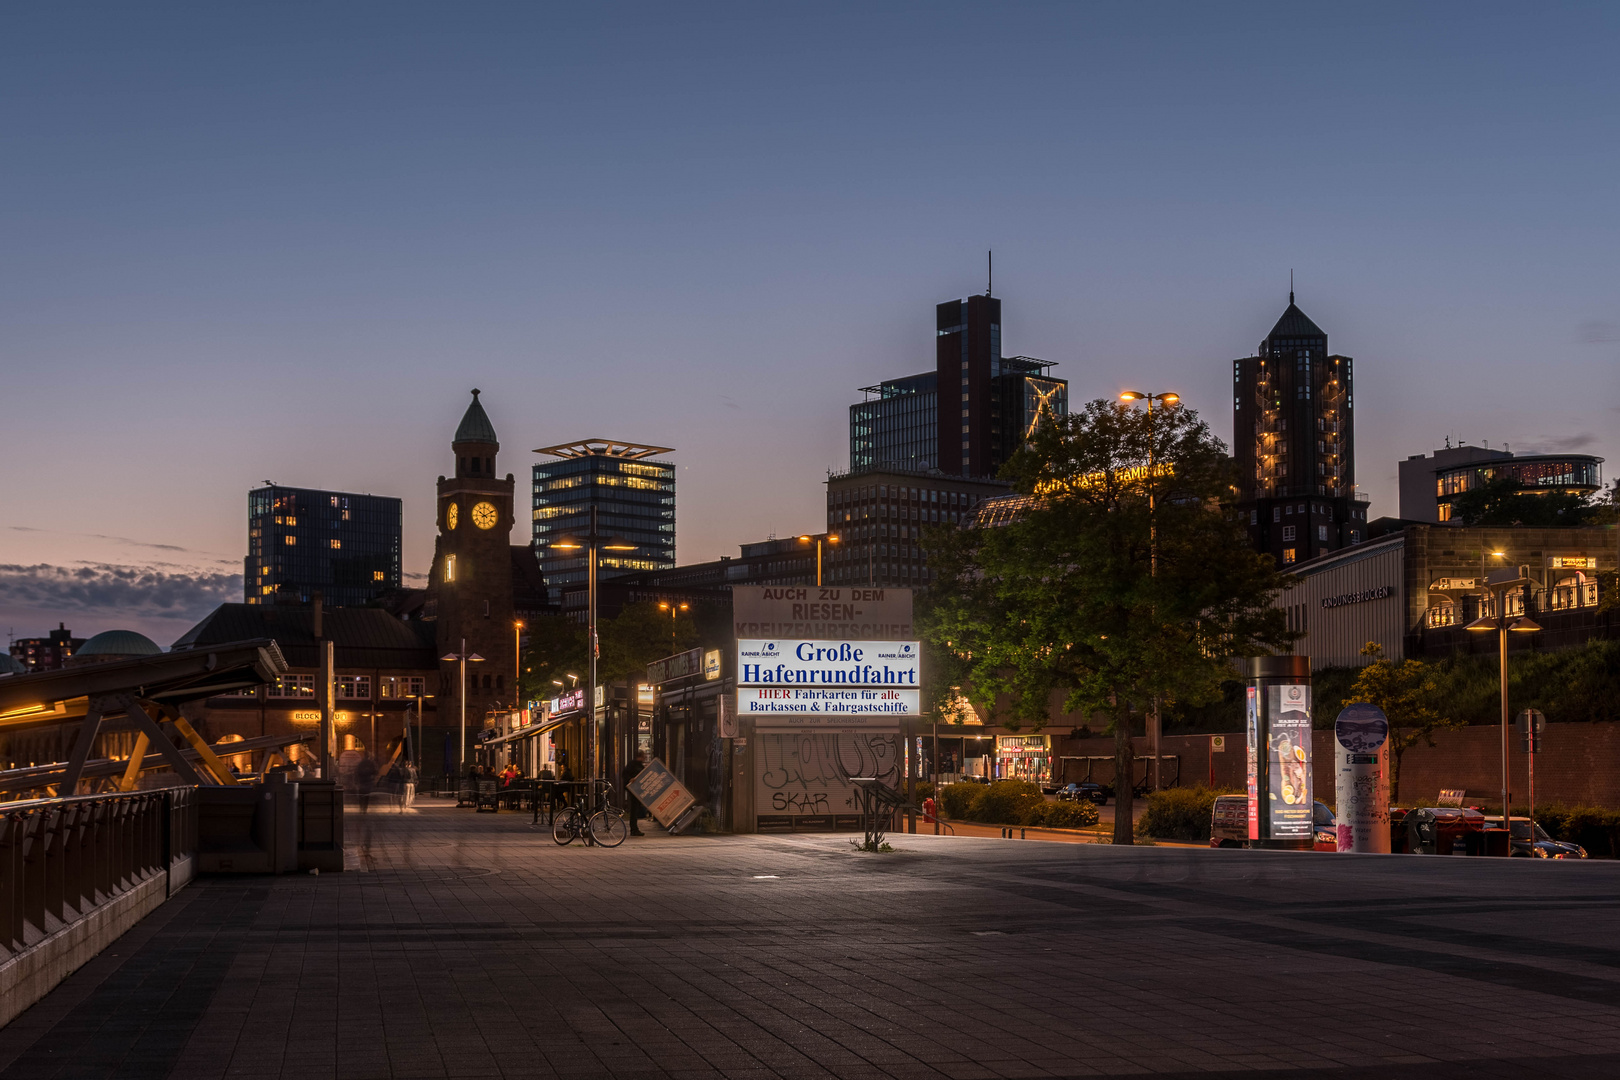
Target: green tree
<point x="1064" y="597"/>
<point x="554" y="647"/>
<point x="1502" y="502"/>
<point x="640" y="634"/>
<point x="1407" y="693"/>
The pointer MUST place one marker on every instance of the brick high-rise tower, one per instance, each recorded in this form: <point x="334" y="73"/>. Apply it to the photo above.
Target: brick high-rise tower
<point x="470" y="587"/>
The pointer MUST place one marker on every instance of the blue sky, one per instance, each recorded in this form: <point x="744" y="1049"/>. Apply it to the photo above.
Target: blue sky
<point x="282" y="242"/>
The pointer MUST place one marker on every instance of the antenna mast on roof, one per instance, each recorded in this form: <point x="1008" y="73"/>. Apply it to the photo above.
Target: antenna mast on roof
<point x="990" y="265"/>
<point x="1290" y="284"/>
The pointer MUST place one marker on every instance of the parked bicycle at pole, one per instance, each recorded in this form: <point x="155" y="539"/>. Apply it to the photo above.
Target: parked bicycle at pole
<point x="600" y="822"/>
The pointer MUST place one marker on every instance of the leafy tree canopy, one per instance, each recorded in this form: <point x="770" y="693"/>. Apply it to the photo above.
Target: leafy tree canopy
<point x="1121" y="580"/>
<point x="1408" y="694"/>
<point x="638" y="635"/>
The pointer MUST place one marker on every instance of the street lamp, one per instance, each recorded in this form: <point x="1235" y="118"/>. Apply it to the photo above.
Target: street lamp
<point x="416" y="743"/>
<point x="1500" y="584"/>
<point x="1165" y="400"/>
<point x="673" y="609"/>
<point x="832" y="538"/>
<point x="591" y="543"/>
<point x="517" y="663"/>
<point x="461" y="659"/>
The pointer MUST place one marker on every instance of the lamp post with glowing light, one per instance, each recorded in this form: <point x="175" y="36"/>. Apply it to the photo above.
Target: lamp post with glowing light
<point x="591" y="543"/>
<point x="832" y="538"/>
<point x="1165" y="401"/>
<point x="462" y="659"/>
<point x="1500" y="583"/>
<point x="674" y="609"/>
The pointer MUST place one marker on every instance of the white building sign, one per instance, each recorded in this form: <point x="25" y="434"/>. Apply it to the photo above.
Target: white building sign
<point x="763" y="662"/>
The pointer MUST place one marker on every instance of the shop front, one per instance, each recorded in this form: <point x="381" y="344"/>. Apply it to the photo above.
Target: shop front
<point x="1024" y="757"/>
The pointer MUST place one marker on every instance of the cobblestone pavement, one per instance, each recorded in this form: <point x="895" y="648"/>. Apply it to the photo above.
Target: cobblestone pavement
<point x="472" y="946"/>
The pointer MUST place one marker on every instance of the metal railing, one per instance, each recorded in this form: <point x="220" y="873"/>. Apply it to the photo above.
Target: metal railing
<point x="1569" y="597"/>
<point x="61" y="859"/>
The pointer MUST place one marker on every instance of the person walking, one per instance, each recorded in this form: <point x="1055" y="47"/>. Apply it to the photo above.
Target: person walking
<point x="365" y="777"/>
<point x="631" y="771"/>
<point x="412" y="774"/>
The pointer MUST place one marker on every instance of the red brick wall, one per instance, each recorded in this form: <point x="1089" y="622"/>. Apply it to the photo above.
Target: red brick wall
<point x="1579" y="763"/>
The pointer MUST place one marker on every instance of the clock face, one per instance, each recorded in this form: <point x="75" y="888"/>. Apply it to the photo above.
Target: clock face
<point x="484" y="515"/>
<point x="450" y="516"/>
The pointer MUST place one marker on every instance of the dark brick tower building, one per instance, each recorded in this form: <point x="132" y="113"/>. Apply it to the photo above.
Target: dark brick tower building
<point x="1293" y="435"/>
<point x="470" y="587"/>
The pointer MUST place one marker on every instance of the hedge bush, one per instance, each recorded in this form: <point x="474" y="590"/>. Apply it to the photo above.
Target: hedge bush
<point x="1062" y="815"/>
<point x="1595" y="828"/>
<point x="1005" y="802"/>
<point x="1179" y="813"/>
<point x="1013" y="802"/>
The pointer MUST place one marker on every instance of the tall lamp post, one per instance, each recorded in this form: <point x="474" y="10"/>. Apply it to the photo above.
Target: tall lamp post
<point x="462" y="659"/>
<point x="591" y="543"/>
<point x="416" y="743"/>
<point x="1500" y="583"/>
<point x="1165" y="401"/>
<point x="832" y="538"/>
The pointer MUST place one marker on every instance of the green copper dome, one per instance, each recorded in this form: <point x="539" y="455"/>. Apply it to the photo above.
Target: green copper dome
<point x="475" y="426"/>
<point x="119" y="643"/>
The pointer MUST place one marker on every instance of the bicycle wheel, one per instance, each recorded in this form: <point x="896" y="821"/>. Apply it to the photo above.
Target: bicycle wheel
<point x="608" y="828"/>
<point x="566" y="825"/>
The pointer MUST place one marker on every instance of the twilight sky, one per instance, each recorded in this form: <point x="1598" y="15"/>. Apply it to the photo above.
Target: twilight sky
<point x="249" y="242"/>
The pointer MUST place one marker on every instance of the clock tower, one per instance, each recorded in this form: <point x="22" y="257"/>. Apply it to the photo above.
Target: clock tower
<point x="470" y="586"/>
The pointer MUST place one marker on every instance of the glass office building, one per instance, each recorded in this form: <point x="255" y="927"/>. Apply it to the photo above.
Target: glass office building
<point x="301" y="540"/>
<point x="896" y="427"/>
<point x="634" y="498"/>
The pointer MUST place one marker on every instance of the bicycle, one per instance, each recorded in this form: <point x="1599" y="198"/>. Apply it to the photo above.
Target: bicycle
<point x="607" y="826"/>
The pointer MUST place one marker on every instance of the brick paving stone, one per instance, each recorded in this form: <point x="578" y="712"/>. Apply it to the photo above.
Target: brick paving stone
<point x="472" y="947"/>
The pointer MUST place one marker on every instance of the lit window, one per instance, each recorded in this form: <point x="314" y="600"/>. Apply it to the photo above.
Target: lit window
<point x="376" y="575"/>
<point x="449" y="568"/>
<point x="290" y="541"/>
<point x="336" y="544"/>
<point x="1288" y="555"/>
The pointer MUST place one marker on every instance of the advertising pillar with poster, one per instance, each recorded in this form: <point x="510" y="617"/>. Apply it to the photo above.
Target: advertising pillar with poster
<point x="826" y="677"/>
<point x="1281" y="801"/>
<point x="1361" y="778"/>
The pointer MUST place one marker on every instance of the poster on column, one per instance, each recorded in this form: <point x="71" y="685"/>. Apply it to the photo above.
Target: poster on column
<point x="1253" y="731"/>
<point x="806" y="774"/>
<point x="1289" y="791"/>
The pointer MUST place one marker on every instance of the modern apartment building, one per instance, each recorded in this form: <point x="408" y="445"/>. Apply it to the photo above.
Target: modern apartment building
<point x="1428" y="484"/>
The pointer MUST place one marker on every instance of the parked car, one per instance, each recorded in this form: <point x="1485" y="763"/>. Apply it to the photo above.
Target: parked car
<point x="1326" y="828"/>
<point x="1542" y="847"/>
<point x="1085" y="790"/>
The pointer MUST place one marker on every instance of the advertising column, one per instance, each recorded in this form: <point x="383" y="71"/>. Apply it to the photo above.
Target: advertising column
<point x="1281" y="802"/>
<point x="1361" y="778"/>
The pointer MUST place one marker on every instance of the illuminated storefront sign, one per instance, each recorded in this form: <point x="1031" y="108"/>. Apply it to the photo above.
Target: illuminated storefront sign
<point x="1571" y="562"/>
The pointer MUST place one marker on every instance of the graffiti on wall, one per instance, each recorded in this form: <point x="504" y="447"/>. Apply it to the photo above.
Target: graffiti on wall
<point x="808" y="773"/>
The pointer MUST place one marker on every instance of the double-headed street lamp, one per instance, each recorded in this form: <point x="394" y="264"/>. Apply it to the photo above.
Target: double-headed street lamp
<point x="1500" y="583"/>
<point x="1165" y="400"/>
<point x="832" y="538"/>
<point x="674" y="609"/>
<point x="591" y="543"/>
<point x="462" y="658"/>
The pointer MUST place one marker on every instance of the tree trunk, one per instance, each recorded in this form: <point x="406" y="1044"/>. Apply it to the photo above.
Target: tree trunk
<point x="1124" y="780"/>
<point x="1395" y="752"/>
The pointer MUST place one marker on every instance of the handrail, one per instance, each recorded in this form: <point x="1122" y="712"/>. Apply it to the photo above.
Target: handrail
<point x="61" y="859"/>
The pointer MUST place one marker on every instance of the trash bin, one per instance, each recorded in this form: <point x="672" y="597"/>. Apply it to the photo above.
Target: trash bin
<point x="1497" y="843"/>
<point x="1442" y="830"/>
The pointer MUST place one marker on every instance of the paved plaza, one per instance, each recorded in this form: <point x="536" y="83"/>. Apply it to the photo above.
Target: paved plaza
<point x="463" y="945"/>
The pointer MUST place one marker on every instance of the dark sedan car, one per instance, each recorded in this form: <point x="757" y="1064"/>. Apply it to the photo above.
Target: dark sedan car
<point x="1543" y="846"/>
<point x="1085" y="790"/>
